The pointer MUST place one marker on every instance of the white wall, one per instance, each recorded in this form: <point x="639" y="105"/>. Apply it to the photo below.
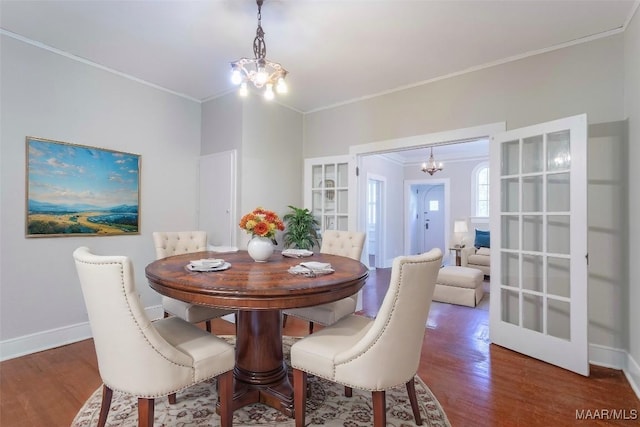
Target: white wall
<point x="585" y="78"/>
<point x="51" y="96"/>
<point x="222" y="124"/>
<point x="271" y="165"/>
<point x="632" y="112"/>
<point x="607" y="225"/>
<point x="268" y="138"/>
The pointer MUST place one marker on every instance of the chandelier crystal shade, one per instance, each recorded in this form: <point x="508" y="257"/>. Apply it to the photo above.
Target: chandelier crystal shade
<point x="259" y="71"/>
<point x="431" y="166"/>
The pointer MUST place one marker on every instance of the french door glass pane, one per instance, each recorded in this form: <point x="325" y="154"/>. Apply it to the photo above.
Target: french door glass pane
<point x="510" y="158"/>
<point x="558" y="275"/>
<point x="558" y="237"/>
<point x="343" y="222"/>
<point x="532" y="272"/>
<point x="532" y="316"/>
<point x="558" y="151"/>
<point x="510" y="233"/>
<point x="509" y="266"/>
<point x="532" y="233"/>
<point x="510" y="306"/>
<point x="343" y="202"/>
<point x="510" y="193"/>
<point x="532" y="154"/>
<point x="558" y="192"/>
<point x="343" y="174"/>
<point x="558" y="319"/>
<point x="316" y="176"/>
<point x="316" y="202"/>
<point x="330" y="173"/>
<point x="532" y="194"/>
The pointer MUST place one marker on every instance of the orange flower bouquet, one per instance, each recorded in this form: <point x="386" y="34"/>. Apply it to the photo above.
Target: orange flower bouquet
<point x="262" y="222"/>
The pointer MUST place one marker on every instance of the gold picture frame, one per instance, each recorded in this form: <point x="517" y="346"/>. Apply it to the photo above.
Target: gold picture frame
<point x="78" y="190"/>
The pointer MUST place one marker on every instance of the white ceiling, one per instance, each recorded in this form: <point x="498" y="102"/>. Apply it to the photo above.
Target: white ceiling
<point x="335" y="51"/>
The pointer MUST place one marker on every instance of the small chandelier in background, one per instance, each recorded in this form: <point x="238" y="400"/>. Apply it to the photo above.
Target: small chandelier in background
<point x="259" y="71"/>
<point x="431" y="166"/>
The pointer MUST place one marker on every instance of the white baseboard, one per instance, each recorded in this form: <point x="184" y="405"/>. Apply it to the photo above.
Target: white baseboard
<point x="45" y="340"/>
<point x="632" y="372"/>
<point x="616" y="358"/>
<point x="608" y="357"/>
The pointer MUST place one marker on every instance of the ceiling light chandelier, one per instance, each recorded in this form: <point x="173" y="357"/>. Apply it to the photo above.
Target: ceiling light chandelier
<point x="431" y="166"/>
<point x="259" y="71"/>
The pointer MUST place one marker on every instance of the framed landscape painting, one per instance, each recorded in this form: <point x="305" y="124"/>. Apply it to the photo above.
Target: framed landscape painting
<point x="76" y="190"/>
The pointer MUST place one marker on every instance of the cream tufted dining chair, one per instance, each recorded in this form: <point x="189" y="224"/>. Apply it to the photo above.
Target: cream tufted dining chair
<point x="168" y="243"/>
<point x="373" y="354"/>
<point x="334" y="242"/>
<point x="143" y="358"/>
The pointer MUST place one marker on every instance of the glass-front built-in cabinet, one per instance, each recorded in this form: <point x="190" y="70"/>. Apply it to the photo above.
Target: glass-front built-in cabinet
<point x="329" y="191"/>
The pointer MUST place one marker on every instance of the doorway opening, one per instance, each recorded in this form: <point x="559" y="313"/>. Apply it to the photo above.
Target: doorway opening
<point x="399" y="162"/>
<point x="375" y="219"/>
<point x="427" y="217"/>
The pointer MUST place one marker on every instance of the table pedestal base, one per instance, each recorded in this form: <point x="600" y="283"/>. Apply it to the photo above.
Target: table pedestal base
<point x="260" y="373"/>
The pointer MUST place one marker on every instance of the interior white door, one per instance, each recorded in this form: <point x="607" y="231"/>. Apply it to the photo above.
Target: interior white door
<point x="432" y="209"/>
<point x="539" y="242"/>
<point x="217" y="199"/>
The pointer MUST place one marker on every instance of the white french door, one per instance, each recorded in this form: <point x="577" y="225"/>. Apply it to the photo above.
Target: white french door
<point x="539" y="242"/>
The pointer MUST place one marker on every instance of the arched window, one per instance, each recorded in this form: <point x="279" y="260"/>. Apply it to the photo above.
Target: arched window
<point x="480" y="190"/>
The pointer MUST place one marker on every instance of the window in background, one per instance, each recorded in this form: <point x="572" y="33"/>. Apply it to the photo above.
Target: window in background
<point x="480" y="192"/>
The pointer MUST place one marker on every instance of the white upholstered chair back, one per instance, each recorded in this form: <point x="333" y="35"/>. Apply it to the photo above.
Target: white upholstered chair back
<point x="132" y="356"/>
<point x="373" y="354"/>
<point x="168" y="243"/>
<point x="143" y="358"/>
<point x="334" y="242"/>
<point x="343" y="243"/>
<point x="395" y="338"/>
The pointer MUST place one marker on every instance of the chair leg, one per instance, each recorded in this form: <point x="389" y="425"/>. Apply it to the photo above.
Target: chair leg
<point x="107" y="394"/>
<point x="299" y="395"/>
<point x="172" y="399"/>
<point x="348" y="391"/>
<point x="145" y="412"/>
<point x="208" y="324"/>
<point x="411" y="391"/>
<point x="310" y="328"/>
<point x="379" y="409"/>
<point x="225" y="396"/>
<point x="284" y="320"/>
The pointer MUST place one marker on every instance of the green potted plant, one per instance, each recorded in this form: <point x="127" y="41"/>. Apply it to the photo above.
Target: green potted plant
<point x="301" y="229"/>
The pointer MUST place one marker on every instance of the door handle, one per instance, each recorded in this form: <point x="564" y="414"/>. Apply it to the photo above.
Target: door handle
<point x="426" y="225"/>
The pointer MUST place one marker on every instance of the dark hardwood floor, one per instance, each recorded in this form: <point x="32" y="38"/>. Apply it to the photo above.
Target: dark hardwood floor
<point x="478" y="384"/>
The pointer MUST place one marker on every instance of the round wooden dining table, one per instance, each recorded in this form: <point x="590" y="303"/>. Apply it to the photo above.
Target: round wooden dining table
<point x="259" y="291"/>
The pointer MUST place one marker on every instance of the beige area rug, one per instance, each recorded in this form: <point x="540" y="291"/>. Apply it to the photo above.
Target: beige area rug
<point x="327" y="407"/>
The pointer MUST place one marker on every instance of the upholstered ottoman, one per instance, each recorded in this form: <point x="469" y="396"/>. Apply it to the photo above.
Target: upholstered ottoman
<point x="459" y="285"/>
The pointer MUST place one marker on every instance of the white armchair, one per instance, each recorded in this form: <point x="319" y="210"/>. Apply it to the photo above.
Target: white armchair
<point x="479" y="258"/>
<point x="168" y="243"/>
<point x="344" y="243"/>
<point x="373" y="354"/>
<point x="143" y="358"/>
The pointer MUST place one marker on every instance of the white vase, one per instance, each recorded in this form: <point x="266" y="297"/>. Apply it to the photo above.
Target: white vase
<point x="260" y="248"/>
